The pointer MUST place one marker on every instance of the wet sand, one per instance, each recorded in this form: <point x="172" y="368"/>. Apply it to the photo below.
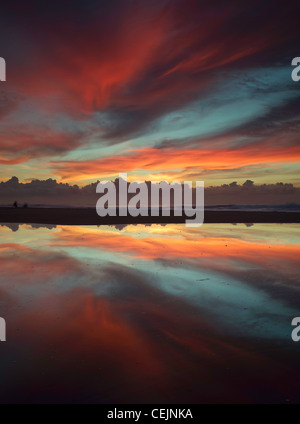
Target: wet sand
<point x="65" y="216"/>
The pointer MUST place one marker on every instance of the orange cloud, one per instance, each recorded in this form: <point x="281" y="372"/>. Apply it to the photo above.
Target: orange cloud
<point x="16" y="161"/>
<point x="151" y="159"/>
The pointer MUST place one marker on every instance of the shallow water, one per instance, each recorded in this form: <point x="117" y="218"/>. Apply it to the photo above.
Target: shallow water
<point x="150" y="313"/>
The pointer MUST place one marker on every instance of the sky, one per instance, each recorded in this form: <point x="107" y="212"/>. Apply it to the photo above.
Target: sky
<point x="162" y="90"/>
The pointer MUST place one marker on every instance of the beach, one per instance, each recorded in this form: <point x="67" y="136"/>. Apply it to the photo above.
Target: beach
<point x="85" y="216"/>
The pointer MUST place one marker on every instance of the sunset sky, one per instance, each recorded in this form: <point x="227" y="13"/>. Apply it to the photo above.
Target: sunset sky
<point x="163" y="90"/>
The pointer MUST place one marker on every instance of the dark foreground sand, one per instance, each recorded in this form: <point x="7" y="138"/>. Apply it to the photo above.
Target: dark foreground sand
<point x="56" y="216"/>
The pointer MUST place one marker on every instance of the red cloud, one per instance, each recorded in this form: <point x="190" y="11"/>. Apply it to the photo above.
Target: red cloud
<point x="143" y="56"/>
<point x="20" y="143"/>
<point x="137" y="61"/>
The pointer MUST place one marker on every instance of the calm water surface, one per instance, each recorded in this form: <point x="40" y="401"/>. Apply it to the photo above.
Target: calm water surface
<point x="150" y="314"/>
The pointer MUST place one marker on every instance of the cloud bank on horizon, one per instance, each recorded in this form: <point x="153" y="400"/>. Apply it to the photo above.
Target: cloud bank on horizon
<point x="50" y="192"/>
<point x="188" y="90"/>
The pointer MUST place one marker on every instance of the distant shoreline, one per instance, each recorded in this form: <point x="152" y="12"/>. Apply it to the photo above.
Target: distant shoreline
<point x="73" y="216"/>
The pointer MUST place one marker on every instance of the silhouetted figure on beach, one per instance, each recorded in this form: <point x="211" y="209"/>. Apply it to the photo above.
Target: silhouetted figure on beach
<point x="15" y="205"/>
<point x="25" y="206"/>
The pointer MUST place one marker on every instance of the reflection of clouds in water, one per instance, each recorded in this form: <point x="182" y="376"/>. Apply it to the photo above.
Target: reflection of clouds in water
<point x="16" y="227"/>
<point x="250" y="284"/>
<point x="140" y="345"/>
<point x="150" y="313"/>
